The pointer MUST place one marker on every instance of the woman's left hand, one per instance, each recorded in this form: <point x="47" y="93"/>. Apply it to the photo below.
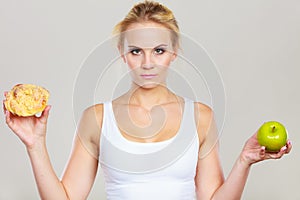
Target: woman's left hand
<point x="253" y="152"/>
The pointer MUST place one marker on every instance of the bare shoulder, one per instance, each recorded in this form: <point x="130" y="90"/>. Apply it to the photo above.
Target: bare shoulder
<point x="203" y="113"/>
<point x="94" y="109"/>
<point x="90" y="124"/>
<point x="204" y="118"/>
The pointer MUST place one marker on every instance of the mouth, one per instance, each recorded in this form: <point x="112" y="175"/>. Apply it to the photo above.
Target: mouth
<point x="148" y="76"/>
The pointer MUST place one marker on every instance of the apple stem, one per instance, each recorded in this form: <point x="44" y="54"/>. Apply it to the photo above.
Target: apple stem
<point x="273" y="129"/>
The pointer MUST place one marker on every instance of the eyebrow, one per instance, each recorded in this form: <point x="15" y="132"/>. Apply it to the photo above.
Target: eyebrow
<point x="161" y="45"/>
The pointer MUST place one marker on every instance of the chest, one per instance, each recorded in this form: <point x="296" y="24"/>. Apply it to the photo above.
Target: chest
<point x="142" y="125"/>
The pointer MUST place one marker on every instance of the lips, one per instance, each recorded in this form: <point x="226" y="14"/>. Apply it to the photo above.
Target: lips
<point x="148" y="76"/>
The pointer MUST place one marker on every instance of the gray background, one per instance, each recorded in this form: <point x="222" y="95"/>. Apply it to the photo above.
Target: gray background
<point x="255" y="44"/>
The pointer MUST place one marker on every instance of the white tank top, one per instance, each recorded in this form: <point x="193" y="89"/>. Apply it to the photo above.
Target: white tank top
<point x="149" y="171"/>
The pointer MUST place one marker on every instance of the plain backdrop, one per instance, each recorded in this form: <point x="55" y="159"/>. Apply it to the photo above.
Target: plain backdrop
<point x="255" y="44"/>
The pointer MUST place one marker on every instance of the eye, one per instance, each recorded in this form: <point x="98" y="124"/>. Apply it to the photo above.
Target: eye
<point x="136" y="51"/>
<point x="159" y="51"/>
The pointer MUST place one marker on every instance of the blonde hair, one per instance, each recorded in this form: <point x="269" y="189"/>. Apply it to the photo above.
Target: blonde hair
<point x="149" y="11"/>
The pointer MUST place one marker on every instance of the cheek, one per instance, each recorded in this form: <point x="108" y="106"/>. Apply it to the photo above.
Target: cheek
<point x="164" y="60"/>
<point x="132" y="62"/>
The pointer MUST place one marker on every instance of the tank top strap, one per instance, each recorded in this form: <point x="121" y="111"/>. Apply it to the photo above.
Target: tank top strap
<point x="109" y="122"/>
<point x="189" y="107"/>
<point x="140" y="157"/>
<point x="188" y="123"/>
<point x="108" y="127"/>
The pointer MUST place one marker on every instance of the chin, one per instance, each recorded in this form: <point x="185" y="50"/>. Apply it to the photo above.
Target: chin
<point x="149" y="85"/>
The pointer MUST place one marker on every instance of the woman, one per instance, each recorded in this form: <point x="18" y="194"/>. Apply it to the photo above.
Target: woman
<point x="126" y="123"/>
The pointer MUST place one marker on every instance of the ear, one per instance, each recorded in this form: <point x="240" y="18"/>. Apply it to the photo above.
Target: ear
<point x="121" y="51"/>
<point x="174" y="52"/>
<point x="174" y="55"/>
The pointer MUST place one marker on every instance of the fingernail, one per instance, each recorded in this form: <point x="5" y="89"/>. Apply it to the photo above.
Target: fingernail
<point x="262" y="150"/>
<point x="289" y="142"/>
<point x="283" y="148"/>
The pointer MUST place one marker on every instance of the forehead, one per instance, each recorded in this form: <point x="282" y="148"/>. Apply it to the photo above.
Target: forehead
<point x="147" y="35"/>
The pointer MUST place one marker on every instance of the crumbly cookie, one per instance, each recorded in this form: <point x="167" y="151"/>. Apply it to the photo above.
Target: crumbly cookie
<point x="26" y="99"/>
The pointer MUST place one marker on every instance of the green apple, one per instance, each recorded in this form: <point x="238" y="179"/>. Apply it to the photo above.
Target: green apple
<point x="272" y="135"/>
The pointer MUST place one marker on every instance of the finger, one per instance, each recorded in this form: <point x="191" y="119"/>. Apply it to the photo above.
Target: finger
<point x="8" y="118"/>
<point x="283" y="149"/>
<point x="45" y="114"/>
<point x="289" y="146"/>
<point x="3" y="105"/>
<point x="254" y="136"/>
<point x="279" y="154"/>
<point x="262" y="152"/>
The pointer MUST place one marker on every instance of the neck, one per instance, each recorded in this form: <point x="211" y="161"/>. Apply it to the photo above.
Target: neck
<point x="149" y="97"/>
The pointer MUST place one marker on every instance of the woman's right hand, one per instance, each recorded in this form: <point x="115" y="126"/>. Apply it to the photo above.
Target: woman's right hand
<point x="31" y="130"/>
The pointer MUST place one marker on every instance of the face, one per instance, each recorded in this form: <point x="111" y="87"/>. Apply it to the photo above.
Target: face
<point x="148" y="52"/>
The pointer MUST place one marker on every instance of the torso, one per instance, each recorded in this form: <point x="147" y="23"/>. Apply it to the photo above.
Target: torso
<point x="159" y="123"/>
<point x="163" y="167"/>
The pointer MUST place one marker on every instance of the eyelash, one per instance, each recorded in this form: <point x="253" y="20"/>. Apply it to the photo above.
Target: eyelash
<point x="135" y="51"/>
<point x="158" y="51"/>
<point x="161" y="51"/>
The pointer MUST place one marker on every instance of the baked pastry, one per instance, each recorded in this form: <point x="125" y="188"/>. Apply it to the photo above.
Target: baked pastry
<point x="26" y="99"/>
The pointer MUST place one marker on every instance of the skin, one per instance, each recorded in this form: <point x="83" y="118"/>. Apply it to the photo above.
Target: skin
<point x="143" y="102"/>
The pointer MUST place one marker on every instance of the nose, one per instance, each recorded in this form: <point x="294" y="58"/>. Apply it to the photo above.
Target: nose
<point x="147" y="60"/>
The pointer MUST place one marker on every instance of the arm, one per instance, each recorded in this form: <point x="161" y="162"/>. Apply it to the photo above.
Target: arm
<point x="81" y="170"/>
<point x="210" y="183"/>
<point x="34" y="139"/>
<point x="251" y="153"/>
<point x="209" y="174"/>
<point x="82" y="167"/>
